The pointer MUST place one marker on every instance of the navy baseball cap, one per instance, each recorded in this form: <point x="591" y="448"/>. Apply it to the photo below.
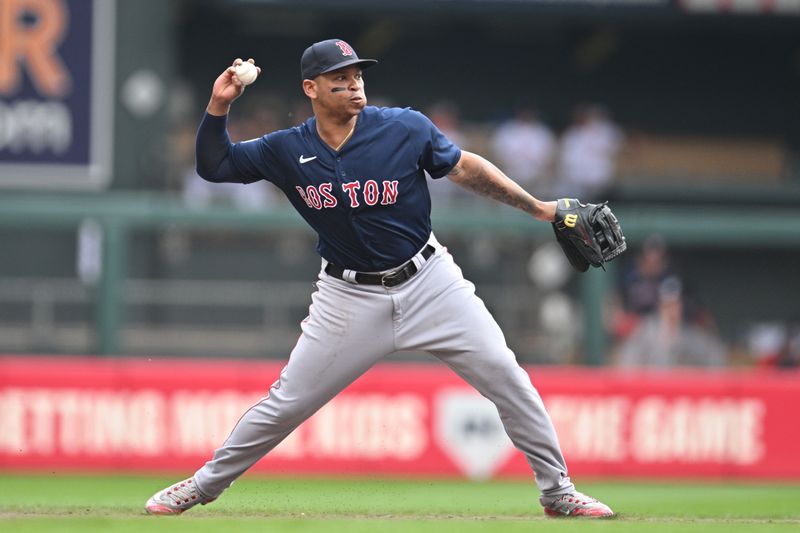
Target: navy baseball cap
<point x="330" y="55"/>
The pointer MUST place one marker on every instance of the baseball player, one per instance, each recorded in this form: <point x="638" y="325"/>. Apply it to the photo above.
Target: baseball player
<point x="356" y="174"/>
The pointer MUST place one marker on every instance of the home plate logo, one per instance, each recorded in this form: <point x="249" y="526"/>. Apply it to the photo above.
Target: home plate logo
<point x="468" y="428"/>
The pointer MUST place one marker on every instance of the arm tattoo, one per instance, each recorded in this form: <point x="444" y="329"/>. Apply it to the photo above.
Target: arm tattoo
<point x="481" y="180"/>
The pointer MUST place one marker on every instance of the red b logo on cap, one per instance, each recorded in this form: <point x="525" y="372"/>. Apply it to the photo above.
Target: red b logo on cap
<point x="345" y="48"/>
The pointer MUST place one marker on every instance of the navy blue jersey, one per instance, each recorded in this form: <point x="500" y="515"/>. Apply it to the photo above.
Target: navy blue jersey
<point x="369" y="202"/>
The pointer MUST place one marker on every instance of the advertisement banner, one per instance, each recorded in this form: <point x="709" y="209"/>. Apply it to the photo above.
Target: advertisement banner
<point x="56" y="85"/>
<point x="140" y="415"/>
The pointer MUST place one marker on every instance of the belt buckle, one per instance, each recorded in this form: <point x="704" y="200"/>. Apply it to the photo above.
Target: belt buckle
<point x="389" y="277"/>
<point x="386" y="279"/>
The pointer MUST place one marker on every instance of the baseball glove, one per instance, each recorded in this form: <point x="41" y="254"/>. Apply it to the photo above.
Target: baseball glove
<point x="589" y="234"/>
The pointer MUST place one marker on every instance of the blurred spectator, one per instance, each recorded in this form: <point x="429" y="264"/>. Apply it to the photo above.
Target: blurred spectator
<point x="446" y="116"/>
<point x="524" y="147"/>
<point x="790" y="356"/>
<point x="587" y="154"/>
<point x="665" y="338"/>
<point x="638" y="290"/>
<point x="89" y="255"/>
<point x="774" y="345"/>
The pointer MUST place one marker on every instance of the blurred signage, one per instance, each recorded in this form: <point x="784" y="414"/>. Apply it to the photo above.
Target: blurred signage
<point x="717" y="7"/>
<point x="56" y="83"/>
<point x="170" y="415"/>
<point x="636" y="3"/>
<point x="742" y="7"/>
<point x="707" y="6"/>
<point x="779" y="7"/>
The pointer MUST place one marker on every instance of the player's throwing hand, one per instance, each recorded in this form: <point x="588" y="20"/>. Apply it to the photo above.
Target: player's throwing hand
<point x="227" y="88"/>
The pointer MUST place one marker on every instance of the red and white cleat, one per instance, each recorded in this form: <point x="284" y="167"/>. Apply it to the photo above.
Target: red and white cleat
<point x="176" y="499"/>
<point x="575" y="504"/>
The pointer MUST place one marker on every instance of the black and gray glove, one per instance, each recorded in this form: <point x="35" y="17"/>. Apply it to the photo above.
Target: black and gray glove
<point x="589" y="234"/>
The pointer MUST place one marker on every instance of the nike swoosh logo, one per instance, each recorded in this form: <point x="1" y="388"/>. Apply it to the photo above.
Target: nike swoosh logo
<point x="307" y="159"/>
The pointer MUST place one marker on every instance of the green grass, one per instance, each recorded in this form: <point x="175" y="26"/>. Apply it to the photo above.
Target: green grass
<point x="106" y="503"/>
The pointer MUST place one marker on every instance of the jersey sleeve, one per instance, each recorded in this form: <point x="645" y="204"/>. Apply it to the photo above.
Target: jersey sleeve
<point x="219" y="160"/>
<point x="438" y="154"/>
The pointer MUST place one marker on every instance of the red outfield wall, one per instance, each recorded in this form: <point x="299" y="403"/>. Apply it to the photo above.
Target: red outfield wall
<point x="151" y="415"/>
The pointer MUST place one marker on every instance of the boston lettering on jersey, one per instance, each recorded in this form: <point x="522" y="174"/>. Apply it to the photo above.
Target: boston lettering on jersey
<point x="368" y="202"/>
<point x="320" y="197"/>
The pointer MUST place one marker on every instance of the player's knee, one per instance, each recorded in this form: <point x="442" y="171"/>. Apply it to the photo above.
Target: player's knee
<point x="502" y="366"/>
<point x="294" y="413"/>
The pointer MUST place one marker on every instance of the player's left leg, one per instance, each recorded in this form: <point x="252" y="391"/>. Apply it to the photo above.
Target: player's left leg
<point x="467" y="338"/>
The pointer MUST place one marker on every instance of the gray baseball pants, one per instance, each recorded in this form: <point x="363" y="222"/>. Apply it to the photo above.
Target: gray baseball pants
<point x="351" y="327"/>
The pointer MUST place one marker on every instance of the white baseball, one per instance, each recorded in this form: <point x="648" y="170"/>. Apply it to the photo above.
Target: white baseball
<point x="246" y="72"/>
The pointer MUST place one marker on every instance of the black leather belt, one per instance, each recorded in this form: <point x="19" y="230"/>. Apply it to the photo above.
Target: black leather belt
<point x="390" y="279"/>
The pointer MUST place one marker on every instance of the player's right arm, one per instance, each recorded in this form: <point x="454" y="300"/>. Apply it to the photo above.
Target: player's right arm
<point x="218" y="159"/>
